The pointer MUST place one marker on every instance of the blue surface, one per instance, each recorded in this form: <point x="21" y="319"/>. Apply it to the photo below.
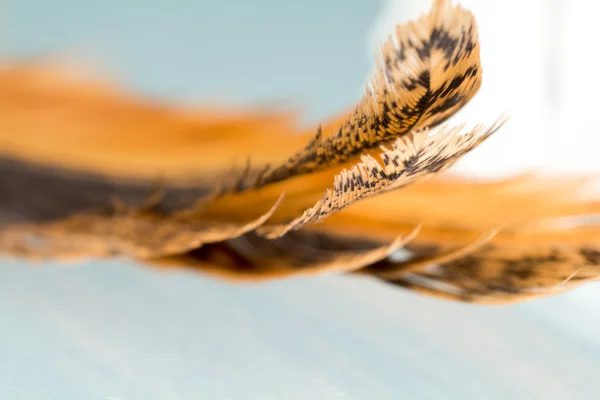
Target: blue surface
<point x="311" y="54"/>
<point x="114" y="331"/>
<point x="121" y="331"/>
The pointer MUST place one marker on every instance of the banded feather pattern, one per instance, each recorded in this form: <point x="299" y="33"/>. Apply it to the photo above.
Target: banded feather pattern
<point x="426" y="71"/>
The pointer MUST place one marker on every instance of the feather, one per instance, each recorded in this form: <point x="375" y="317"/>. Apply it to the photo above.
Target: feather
<point x="425" y="72"/>
<point x="89" y="171"/>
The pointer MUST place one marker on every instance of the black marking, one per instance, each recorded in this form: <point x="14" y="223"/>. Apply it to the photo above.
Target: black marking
<point x="447" y="105"/>
<point x="592" y="256"/>
<point x="37" y="193"/>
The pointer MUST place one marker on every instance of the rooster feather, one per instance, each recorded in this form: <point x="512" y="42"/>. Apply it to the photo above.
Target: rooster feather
<point x="89" y="171"/>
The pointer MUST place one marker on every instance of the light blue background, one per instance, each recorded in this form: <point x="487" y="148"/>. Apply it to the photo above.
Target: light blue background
<point x="115" y="330"/>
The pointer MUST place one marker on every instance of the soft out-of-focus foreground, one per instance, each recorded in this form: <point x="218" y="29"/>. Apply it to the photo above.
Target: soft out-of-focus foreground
<point x="115" y="330"/>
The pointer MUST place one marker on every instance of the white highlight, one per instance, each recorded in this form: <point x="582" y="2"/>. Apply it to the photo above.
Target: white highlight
<point x="400" y="255"/>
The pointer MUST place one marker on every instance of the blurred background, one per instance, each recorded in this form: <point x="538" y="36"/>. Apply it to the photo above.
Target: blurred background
<point x="116" y="330"/>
